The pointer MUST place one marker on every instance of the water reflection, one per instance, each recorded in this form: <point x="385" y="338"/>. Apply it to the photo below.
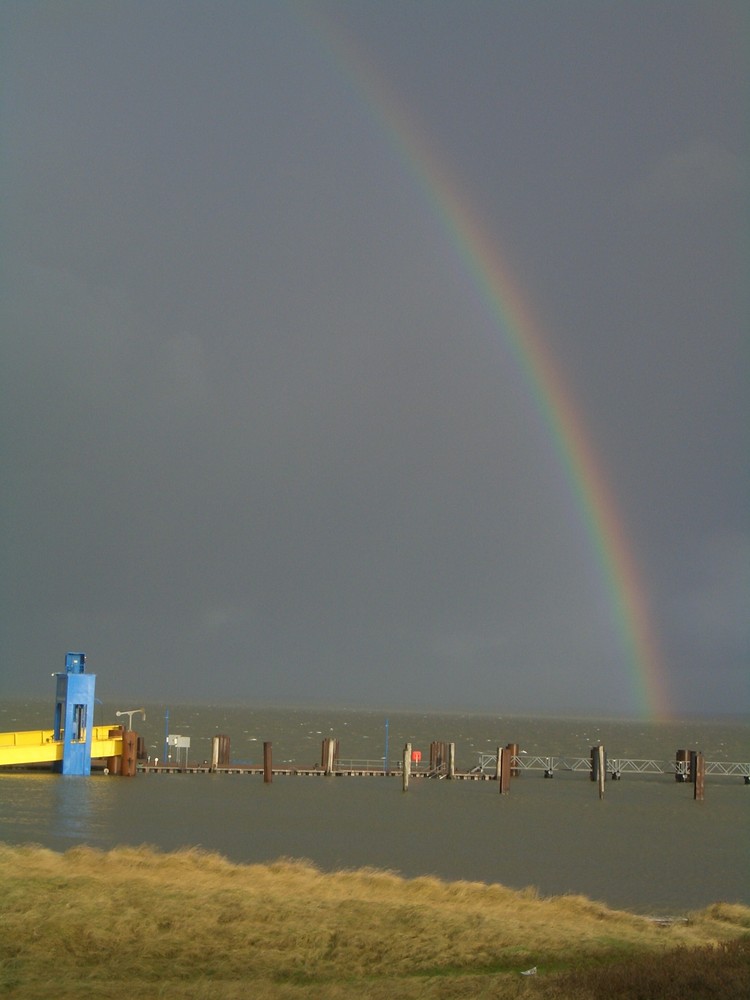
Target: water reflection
<point x="80" y="807"/>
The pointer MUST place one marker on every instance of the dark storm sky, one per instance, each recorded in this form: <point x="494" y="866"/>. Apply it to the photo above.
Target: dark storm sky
<point x="262" y="437"/>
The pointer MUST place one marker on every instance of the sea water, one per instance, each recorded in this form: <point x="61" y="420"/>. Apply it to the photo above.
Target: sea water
<point x="646" y="846"/>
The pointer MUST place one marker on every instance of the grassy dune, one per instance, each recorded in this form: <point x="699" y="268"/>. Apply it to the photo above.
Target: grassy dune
<point x="193" y="925"/>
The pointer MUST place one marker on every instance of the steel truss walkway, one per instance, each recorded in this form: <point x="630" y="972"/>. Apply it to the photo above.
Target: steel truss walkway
<point x="38" y="746"/>
<point x="616" y="766"/>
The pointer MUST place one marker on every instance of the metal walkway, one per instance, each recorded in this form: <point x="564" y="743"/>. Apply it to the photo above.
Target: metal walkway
<point x="38" y="746"/>
<point x="616" y="766"/>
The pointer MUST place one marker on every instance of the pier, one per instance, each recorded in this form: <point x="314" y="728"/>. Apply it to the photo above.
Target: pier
<point x="485" y="770"/>
<point x="112" y="747"/>
<point x="615" y="767"/>
<point x="76" y="747"/>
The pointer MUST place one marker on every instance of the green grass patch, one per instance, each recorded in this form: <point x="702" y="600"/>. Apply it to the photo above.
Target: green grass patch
<point x="191" y="924"/>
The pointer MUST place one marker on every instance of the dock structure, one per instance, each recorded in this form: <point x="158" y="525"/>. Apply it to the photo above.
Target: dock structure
<point x="615" y="766"/>
<point x="513" y="765"/>
<point x="75" y="741"/>
<point x="35" y="748"/>
<point x="40" y="746"/>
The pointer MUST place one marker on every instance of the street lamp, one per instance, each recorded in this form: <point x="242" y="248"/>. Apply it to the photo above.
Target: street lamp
<point x="130" y="713"/>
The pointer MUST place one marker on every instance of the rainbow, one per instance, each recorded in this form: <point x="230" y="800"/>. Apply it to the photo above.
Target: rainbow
<point x="524" y="337"/>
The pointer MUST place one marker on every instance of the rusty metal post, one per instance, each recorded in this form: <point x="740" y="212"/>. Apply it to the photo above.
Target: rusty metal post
<point x="598" y="763"/>
<point x="129" y="749"/>
<point x="219" y="752"/>
<point x="114" y="763"/>
<point x="328" y="754"/>
<point x="512" y="749"/>
<point x="699" y="777"/>
<point x="406" y="771"/>
<point x="439" y="756"/>
<point x="267" y="763"/>
<point x="504" y="778"/>
<point x="506" y="771"/>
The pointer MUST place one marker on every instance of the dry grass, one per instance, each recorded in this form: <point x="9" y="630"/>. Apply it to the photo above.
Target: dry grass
<point x="193" y="925"/>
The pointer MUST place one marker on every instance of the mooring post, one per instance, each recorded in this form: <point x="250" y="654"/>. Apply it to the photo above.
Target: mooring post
<point x="504" y="782"/>
<point x="267" y="763"/>
<point x="329" y="754"/>
<point x="451" y="760"/>
<point x="699" y="777"/>
<point x="692" y="758"/>
<point x="129" y="746"/>
<point x="512" y="749"/>
<point x="498" y="763"/>
<point x="406" y="767"/>
<point x="220" y="751"/>
<point x="602" y="769"/>
<point x="114" y="764"/>
<point x="598" y="763"/>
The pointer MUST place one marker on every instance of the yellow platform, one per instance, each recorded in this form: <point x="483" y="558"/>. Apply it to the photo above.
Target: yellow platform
<point x="38" y="746"/>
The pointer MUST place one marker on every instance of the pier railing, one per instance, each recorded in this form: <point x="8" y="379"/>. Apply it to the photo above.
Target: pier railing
<point x="616" y="766"/>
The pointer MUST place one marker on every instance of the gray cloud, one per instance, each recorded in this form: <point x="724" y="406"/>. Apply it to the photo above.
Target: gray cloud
<point x="265" y="439"/>
<point x="700" y="172"/>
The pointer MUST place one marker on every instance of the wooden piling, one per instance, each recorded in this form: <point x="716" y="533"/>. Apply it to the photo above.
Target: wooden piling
<point x="699" y="777"/>
<point x="114" y="763"/>
<point x="504" y="780"/>
<point x="219" y="751"/>
<point x="406" y="767"/>
<point x="438" y="755"/>
<point x="602" y="769"/>
<point x="451" y="760"/>
<point x="267" y="763"/>
<point x="598" y="755"/>
<point x="129" y="751"/>
<point x="498" y="763"/>
<point x="329" y="754"/>
<point x="512" y="749"/>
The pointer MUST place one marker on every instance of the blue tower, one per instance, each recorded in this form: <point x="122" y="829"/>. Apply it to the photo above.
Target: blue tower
<point x="74" y="715"/>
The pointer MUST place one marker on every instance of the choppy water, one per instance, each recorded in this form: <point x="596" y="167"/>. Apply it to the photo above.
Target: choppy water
<point x="647" y="846"/>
